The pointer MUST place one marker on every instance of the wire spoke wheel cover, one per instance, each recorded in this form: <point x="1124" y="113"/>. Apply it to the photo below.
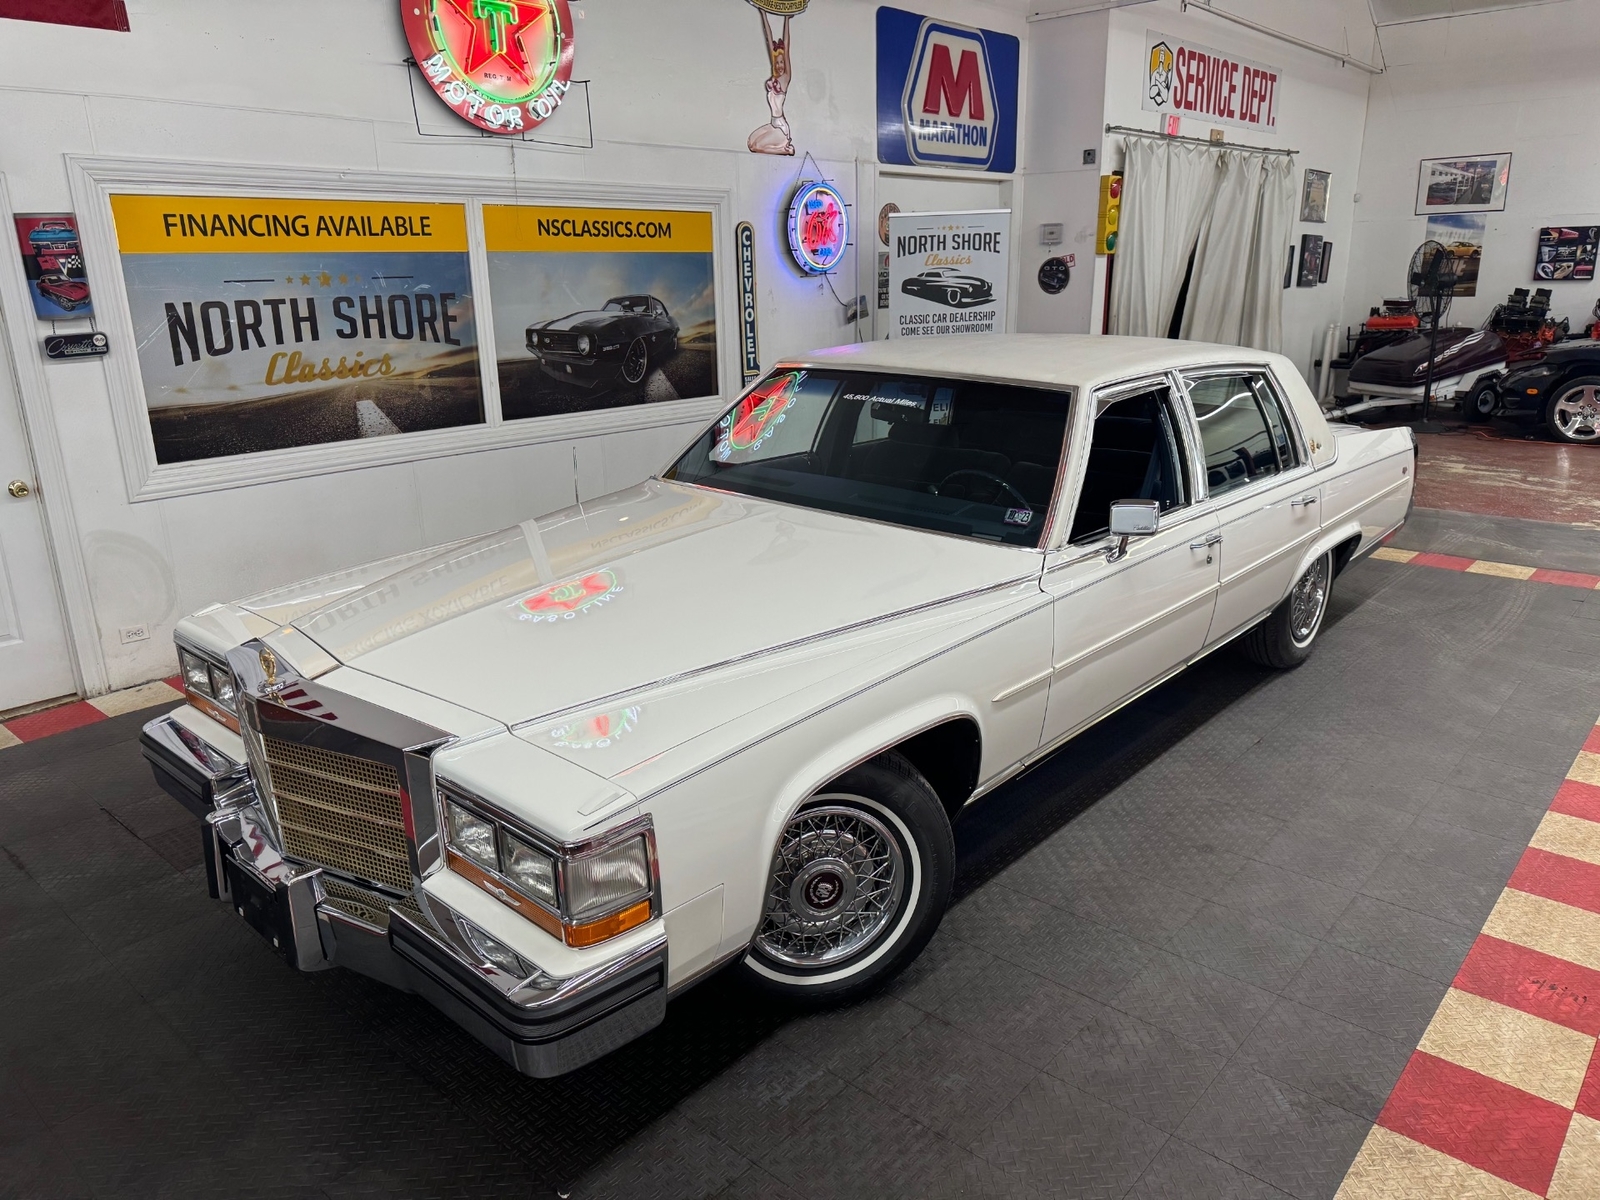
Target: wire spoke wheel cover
<point x="1576" y="414"/>
<point x="1308" y="601"/>
<point x="838" y="880"/>
<point x="635" y="361"/>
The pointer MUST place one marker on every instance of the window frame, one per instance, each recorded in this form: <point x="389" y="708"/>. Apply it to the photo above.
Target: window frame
<point x="1187" y="376"/>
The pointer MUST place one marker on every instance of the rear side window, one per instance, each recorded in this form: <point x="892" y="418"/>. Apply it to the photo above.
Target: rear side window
<point x="1241" y="447"/>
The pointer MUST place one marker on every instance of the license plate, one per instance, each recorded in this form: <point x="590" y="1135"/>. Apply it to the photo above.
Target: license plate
<point x="264" y="907"/>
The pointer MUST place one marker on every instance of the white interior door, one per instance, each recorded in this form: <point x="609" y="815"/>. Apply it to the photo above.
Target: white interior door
<point x="35" y="662"/>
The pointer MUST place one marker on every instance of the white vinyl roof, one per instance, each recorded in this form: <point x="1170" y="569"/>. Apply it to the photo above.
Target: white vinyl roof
<point x="1059" y="360"/>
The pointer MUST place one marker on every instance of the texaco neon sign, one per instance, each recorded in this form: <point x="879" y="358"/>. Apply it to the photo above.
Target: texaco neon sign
<point x="504" y="65"/>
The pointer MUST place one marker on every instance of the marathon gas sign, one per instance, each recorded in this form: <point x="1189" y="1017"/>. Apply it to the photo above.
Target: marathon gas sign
<point x="947" y="93"/>
<point x="1210" y="85"/>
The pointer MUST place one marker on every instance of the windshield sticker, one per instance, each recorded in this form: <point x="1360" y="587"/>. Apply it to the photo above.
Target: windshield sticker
<point x="564" y="601"/>
<point x="752" y="420"/>
<point x="1019" y="516"/>
<point x="596" y="732"/>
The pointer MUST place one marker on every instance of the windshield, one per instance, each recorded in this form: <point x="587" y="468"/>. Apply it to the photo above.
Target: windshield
<point x="628" y="304"/>
<point x="950" y="455"/>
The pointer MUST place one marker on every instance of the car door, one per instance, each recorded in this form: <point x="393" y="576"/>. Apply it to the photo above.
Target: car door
<point x="1125" y="622"/>
<point x="1258" y="487"/>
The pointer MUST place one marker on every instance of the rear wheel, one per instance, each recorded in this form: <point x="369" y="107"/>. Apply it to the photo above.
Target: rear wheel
<point x="1573" y="414"/>
<point x="859" y="882"/>
<point x="636" y="362"/>
<point x="1284" y="639"/>
<point x="1480" y="403"/>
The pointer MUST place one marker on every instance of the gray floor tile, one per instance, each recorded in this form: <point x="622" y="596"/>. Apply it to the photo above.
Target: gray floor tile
<point x="1248" y="947"/>
<point x="1443" y="845"/>
<point x="1496" y="816"/>
<point x="1287" y="898"/>
<point x="1206" y="1007"/>
<point x="1336" y="1061"/>
<point x="1026" y="1015"/>
<point x="1332" y="853"/>
<point x="1287" y="1137"/>
<point x="848" y="1040"/>
<point x="1181" y="1172"/>
<point x="1130" y="1064"/>
<point x="1389" y="1001"/>
<point x="946" y="1080"/>
<point x="1403" y="938"/>
<point x="1435" y="891"/>
<point x="670" y="1160"/>
<point x="761" y="1097"/>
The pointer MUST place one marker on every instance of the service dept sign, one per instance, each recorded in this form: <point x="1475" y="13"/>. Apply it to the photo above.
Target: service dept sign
<point x="1191" y="80"/>
<point x="948" y="272"/>
<point x="504" y="65"/>
<point x="947" y="93"/>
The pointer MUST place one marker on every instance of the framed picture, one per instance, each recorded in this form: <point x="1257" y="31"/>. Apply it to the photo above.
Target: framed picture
<point x="1314" y="197"/>
<point x="1323" y="261"/>
<point x="1462" y="235"/>
<point x="1468" y="183"/>
<point x="1565" y="252"/>
<point x="1310" y="259"/>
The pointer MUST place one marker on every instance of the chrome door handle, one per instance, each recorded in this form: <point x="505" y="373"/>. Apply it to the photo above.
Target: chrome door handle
<point x="1211" y="539"/>
<point x="1302" y="501"/>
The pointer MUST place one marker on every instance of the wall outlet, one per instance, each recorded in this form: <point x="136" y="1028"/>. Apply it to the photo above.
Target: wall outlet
<point x="133" y="633"/>
<point x="1090" y="157"/>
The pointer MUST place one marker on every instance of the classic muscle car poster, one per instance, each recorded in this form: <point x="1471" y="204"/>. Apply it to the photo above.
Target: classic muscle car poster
<point x="1462" y="235"/>
<point x="600" y="308"/>
<point x="269" y="323"/>
<point x="53" y="264"/>
<point x="948" y="272"/>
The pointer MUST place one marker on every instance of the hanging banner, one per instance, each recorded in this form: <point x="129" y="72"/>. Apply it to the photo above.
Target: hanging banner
<point x="947" y="93"/>
<point x="948" y="272"/>
<point x="1183" y="78"/>
<point x="744" y="236"/>
<point x="53" y="263"/>
<point x="265" y="323"/>
<point x="600" y="307"/>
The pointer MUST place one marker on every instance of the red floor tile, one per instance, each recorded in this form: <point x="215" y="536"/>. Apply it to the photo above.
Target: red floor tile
<point x="1592" y="742"/>
<point x="1449" y="562"/>
<point x="1481" y="1121"/>
<point x="1575" y="579"/>
<point x="1557" y="877"/>
<point x="54" y="720"/>
<point x="1589" y="1096"/>
<point x="1576" y="799"/>
<point x="1531" y="982"/>
<point x="174" y="681"/>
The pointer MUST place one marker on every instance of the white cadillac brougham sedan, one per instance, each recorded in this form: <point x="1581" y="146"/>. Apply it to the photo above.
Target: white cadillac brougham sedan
<point x="548" y="777"/>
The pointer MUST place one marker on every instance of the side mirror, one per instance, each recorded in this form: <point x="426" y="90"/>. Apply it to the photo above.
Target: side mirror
<point x="1131" y="519"/>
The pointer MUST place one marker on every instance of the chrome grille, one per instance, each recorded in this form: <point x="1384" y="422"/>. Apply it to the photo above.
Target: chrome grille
<point x="340" y="812"/>
<point x="369" y="906"/>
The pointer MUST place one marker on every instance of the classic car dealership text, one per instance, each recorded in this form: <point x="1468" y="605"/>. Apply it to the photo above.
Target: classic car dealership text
<point x="800" y="597"/>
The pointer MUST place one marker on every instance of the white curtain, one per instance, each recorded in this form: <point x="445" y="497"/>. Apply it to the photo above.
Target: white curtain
<point x="1167" y="191"/>
<point x="1232" y="209"/>
<point x="1236" y="290"/>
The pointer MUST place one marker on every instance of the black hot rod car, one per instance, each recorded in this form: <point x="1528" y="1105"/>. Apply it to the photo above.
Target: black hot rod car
<point x="616" y="343"/>
<point x="948" y="286"/>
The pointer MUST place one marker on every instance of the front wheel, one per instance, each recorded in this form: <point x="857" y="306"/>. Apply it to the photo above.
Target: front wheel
<point x="858" y="884"/>
<point x="636" y="362"/>
<point x="1574" y="411"/>
<point x="1284" y="639"/>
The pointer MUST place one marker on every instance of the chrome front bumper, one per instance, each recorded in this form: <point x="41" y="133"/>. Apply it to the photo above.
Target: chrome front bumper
<point x="541" y="1025"/>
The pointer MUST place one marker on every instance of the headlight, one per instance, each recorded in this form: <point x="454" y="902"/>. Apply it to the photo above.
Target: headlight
<point x="532" y="870"/>
<point x="222" y="688"/>
<point x="582" y="894"/>
<point x="196" y="673"/>
<point x="584" y="343"/>
<point x="609" y="880"/>
<point x="472" y="835"/>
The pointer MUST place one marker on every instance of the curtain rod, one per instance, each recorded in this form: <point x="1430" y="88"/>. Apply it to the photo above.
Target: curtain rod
<point x="1336" y="55"/>
<point x="1175" y="137"/>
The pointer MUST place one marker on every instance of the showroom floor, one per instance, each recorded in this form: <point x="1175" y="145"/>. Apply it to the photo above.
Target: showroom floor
<point x="1190" y="956"/>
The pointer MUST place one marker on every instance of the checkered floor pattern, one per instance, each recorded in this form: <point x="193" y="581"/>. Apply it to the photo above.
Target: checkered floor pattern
<point x="86" y="712"/>
<point x="1501" y="1098"/>
<point x="1483" y="566"/>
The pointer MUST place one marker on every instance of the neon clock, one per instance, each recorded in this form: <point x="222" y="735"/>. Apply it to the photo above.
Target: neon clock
<point x="504" y="65"/>
<point x="819" y="227"/>
<point x="752" y="420"/>
<point x="565" y="600"/>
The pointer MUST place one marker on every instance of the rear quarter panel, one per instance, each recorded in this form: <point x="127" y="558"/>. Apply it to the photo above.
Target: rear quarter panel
<point x="1369" y="485"/>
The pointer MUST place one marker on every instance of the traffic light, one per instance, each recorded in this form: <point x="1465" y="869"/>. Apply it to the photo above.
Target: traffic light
<point x="1105" y="238"/>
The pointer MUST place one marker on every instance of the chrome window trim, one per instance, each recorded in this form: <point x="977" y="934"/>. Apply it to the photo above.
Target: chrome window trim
<point x="1304" y="467"/>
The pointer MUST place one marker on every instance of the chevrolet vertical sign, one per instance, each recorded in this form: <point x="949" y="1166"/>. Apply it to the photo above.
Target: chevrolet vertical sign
<point x="947" y="94"/>
<point x="749" y="349"/>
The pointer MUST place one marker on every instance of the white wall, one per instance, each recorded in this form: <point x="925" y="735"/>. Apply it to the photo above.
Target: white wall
<point x="1522" y="81"/>
<point x="308" y="84"/>
<point x="1321" y="107"/>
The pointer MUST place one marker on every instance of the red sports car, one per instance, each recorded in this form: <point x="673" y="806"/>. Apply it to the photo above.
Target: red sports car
<point x="63" y="292"/>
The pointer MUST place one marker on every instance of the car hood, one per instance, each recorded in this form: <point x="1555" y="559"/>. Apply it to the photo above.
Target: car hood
<point x="70" y="287"/>
<point x="650" y="585"/>
<point x="591" y="318"/>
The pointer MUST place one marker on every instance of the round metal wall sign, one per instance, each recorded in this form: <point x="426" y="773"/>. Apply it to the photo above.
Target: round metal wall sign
<point x="819" y="227"/>
<point x="1054" y="275"/>
<point x="504" y="65"/>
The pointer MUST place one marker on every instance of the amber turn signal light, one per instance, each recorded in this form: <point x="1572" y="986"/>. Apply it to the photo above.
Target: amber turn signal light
<point x="608" y="927"/>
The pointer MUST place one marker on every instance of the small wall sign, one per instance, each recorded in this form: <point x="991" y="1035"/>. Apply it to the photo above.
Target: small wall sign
<point x="76" y="345"/>
<point x="503" y="65"/>
<point x="819" y="227"/>
<point x="1054" y="275"/>
<point x="53" y="262"/>
<point x="744" y="239"/>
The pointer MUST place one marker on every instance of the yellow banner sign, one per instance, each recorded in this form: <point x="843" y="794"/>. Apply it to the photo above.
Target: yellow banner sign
<point x="263" y="225"/>
<point x="515" y="227"/>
